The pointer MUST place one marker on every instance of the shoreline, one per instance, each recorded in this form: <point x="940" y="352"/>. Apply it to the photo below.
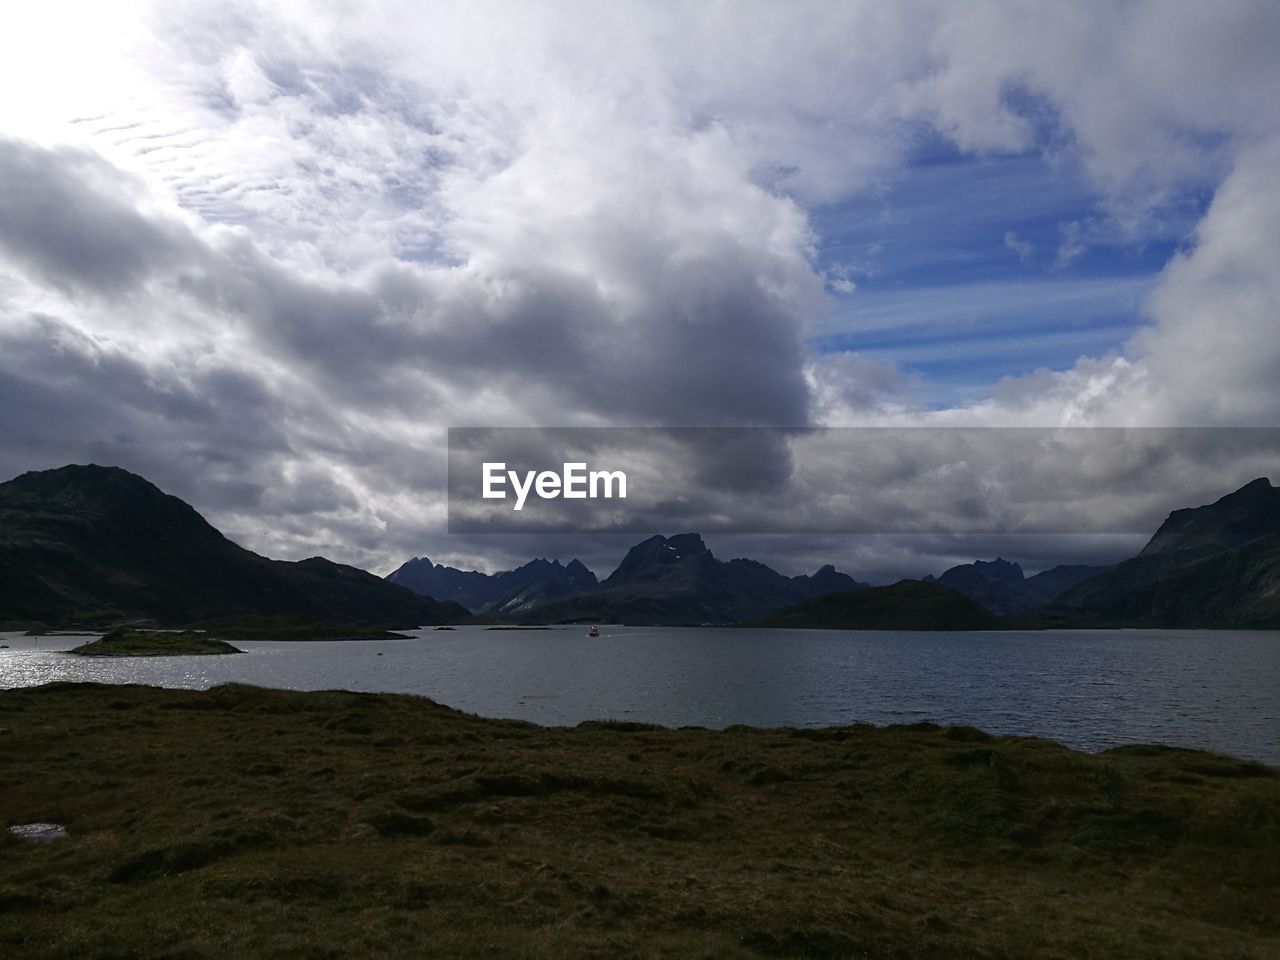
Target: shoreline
<point x="1087" y="746"/>
<point x="631" y="725"/>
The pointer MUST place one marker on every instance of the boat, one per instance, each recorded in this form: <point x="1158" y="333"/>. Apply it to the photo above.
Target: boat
<point x="594" y="631"/>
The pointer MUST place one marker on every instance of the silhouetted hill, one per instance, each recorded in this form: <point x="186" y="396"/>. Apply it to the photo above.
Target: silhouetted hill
<point x="905" y="605"/>
<point x="93" y="544"/>
<point x="1216" y="565"/>
<point x="999" y="585"/>
<point x="1048" y="584"/>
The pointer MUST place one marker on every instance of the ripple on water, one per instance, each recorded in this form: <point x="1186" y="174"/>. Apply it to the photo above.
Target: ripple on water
<point x="1088" y="689"/>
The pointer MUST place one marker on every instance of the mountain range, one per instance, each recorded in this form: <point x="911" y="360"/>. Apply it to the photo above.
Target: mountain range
<point x="91" y="544"/>
<point x="678" y="580"/>
<point x="1216" y="565"/>
<point x="1213" y="566"/>
<point x="672" y="580"/>
<point x="511" y="592"/>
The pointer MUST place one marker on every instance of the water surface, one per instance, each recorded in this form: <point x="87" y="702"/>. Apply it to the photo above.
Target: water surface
<point x="1090" y="689"/>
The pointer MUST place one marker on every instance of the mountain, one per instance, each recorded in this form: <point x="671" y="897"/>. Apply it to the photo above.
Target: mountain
<point x="1216" y="565"/>
<point x="92" y="544"/>
<point x="1048" y="584"/>
<point x="1239" y="518"/>
<point x="1000" y="586"/>
<point x="539" y="582"/>
<point x="511" y="591"/>
<point x="471" y="588"/>
<point x="677" y="580"/>
<point x="905" y="605"/>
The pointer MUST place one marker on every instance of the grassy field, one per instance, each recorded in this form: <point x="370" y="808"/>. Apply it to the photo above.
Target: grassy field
<point x="242" y="822"/>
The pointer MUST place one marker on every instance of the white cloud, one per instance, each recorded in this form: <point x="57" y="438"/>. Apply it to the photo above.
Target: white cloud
<point x="1023" y="248"/>
<point x="1072" y="246"/>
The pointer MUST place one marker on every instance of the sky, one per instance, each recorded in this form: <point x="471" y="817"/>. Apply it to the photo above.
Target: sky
<point x="266" y="254"/>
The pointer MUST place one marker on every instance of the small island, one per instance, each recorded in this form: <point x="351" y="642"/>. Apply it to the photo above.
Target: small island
<point x="140" y="643"/>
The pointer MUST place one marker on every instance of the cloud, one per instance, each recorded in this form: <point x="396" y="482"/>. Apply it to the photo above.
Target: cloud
<point x="839" y="280"/>
<point x="1211" y="345"/>
<point x="1023" y="248"/>
<point x="275" y="251"/>
<point x="1072" y="246"/>
<point x="100" y="246"/>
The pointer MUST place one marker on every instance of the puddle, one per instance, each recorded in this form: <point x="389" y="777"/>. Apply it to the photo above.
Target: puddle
<point x="39" y="831"/>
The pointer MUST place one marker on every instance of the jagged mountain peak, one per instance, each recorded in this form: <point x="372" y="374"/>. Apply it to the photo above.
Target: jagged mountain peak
<point x="537" y="579"/>
<point x="687" y="544"/>
<point x="650" y="558"/>
<point x="1000" y="569"/>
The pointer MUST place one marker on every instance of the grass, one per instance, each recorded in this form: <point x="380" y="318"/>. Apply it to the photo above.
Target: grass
<point x="134" y="643"/>
<point x="252" y="823"/>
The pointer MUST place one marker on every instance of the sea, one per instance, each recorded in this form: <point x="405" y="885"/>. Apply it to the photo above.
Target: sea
<point x="1089" y="689"/>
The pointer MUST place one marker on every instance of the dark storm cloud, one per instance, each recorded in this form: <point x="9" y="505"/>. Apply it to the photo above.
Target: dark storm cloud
<point x="708" y="348"/>
<point x="210" y="434"/>
<point x="73" y="235"/>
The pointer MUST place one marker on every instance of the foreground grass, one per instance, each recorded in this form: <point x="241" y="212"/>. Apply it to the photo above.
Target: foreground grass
<point x="242" y="822"/>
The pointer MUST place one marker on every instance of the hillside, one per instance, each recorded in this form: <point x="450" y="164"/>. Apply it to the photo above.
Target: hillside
<point x="1216" y="565"/>
<point x="905" y="605"/>
<point x="91" y="544"/>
